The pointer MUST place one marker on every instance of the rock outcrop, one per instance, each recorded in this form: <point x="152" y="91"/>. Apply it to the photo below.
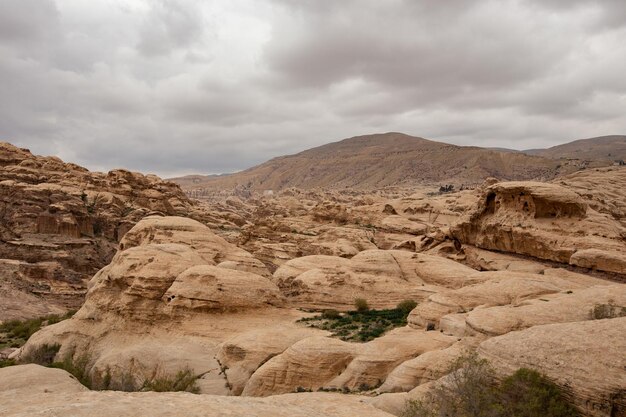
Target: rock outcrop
<point x="62" y="223"/>
<point x="563" y="223"/>
<point x="383" y="278"/>
<point x="171" y="277"/>
<point x="54" y="393"/>
<point x="585" y="358"/>
<point x="319" y="362"/>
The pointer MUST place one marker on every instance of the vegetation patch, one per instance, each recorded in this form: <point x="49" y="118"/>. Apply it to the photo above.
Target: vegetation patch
<point x="15" y="333"/>
<point x="80" y="367"/>
<point x="7" y="362"/>
<point x="471" y="390"/>
<point x="607" y="311"/>
<point x="363" y="324"/>
<point x="183" y="380"/>
<point x="42" y="355"/>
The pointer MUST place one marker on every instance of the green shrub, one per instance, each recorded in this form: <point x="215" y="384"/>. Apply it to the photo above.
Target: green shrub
<point x="406" y="306"/>
<point x="183" y="380"/>
<point x="15" y="333"/>
<point x="527" y="393"/>
<point x="471" y="390"/>
<point x="330" y="314"/>
<point x="7" y="362"/>
<point x="361" y="304"/>
<point x="358" y="326"/>
<point x="42" y="354"/>
<point x="607" y="311"/>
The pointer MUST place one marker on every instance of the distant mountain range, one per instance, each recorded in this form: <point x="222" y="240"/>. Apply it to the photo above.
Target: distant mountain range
<point x="396" y="159"/>
<point x="603" y="148"/>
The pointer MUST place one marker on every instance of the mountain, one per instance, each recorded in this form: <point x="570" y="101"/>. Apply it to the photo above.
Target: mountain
<point x="602" y="148"/>
<point x="380" y="160"/>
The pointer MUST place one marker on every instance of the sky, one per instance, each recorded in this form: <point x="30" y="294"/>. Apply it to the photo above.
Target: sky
<point x="176" y="87"/>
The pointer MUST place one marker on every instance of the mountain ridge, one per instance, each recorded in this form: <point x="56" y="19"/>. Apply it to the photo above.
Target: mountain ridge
<point x="385" y="159"/>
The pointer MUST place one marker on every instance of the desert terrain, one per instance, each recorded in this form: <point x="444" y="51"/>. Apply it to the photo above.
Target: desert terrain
<point x="341" y="281"/>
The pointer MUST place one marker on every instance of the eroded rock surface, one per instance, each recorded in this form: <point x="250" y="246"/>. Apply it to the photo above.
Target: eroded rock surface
<point x="585" y="358"/>
<point x="567" y="221"/>
<point x="61" y="223"/>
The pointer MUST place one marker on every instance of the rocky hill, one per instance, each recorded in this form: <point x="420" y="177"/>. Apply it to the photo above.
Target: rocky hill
<point x="376" y="161"/>
<point x="60" y="223"/>
<point x="603" y="150"/>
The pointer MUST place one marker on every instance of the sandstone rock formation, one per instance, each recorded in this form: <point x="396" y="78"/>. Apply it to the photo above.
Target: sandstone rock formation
<point x="585" y="358"/>
<point x="54" y="393"/>
<point x="169" y="269"/>
<point x="60" y="223"/>
<point x="554" y="222"/>
<point x="499" y="288"/>
<point x="319" y="362"/>
<point x="384" y="278"/>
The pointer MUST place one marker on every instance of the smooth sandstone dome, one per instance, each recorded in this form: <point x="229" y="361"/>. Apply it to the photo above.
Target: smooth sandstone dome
<point x="166" y="280"/>
<point x="382" y="277"/>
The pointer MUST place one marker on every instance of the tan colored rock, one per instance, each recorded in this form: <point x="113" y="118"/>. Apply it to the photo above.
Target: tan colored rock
<point x="498" y="288"/>
<point x="485" y="260"/>
<point x="178" y="230"/>
<point x="159" y="305"/>
<point x="376" y="359"/>
<point x="243" y="354"/>
<point x="28" y="379"/>
<point x="383" y="278"/>
<point x="207" y="287"/>
<point x="556" y="308"/>
<point x="319" y="362"/>
<point x="310" y="364"/>
<point x="426" y="367"/>
<point x="600" y="260"/>
<point x="399" y="224"/>
<point x="585" y="358"/>
<point x="549" y="221"/>
<point x="49" y="394"/>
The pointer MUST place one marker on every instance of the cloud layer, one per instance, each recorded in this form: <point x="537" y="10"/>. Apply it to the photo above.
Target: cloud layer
<point x="186" y="86"/>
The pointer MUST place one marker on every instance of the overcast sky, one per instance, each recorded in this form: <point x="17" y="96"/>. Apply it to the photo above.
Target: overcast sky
<point x="191" y="86"/>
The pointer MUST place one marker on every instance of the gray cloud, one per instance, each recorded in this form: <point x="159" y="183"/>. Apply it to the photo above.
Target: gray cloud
<point x="187" y="86"/>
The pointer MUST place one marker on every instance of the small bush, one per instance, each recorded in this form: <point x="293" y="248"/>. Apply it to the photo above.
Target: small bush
<point x="15" y="333"/>
<point x="607" y="311"/>
<point x="330" y="314"/>
<point x="42" y="354"/>
<point x="406" y="306"/>
<point x="527" y="393"/>
<point x="79" y="367"/>
<point x="358" y="326"/>
<point x="361" y="304"/>
<point x="7" y="362"/>
<point x="183" y="380"/>
<point x="470" y="390"/>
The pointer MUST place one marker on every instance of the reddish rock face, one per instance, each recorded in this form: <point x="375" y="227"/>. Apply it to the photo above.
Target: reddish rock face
<point x="62" y="223"/>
